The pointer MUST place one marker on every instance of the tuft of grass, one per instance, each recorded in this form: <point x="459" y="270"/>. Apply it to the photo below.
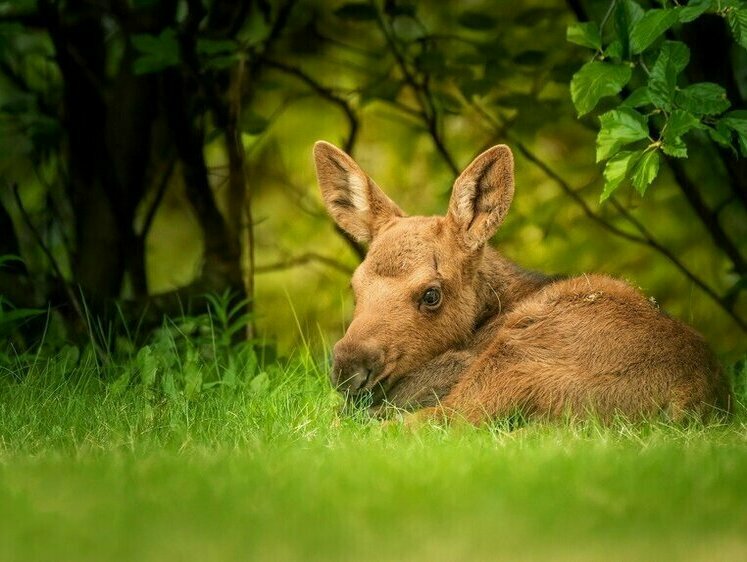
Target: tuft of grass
<point x="193" y="448"/>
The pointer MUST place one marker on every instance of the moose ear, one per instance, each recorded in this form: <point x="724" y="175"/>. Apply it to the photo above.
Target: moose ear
<point x="482" y="195"/>
<point x="353" y="200"/>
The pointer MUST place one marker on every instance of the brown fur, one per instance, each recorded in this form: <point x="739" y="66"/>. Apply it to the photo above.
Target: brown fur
<point x="502" y="339"/>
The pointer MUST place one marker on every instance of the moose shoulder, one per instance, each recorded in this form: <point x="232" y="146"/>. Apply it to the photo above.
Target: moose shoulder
<point x="442" y="318"/>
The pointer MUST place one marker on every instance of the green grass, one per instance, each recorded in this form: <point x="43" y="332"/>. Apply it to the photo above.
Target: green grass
<point x="167" y="455"/>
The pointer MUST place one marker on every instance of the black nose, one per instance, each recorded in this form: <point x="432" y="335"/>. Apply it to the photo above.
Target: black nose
<point x="355" y="366"/>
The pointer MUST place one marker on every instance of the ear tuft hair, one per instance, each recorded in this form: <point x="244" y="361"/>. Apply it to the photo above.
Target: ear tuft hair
<point x="482" y="195"/>
<point x="353" y="200"/>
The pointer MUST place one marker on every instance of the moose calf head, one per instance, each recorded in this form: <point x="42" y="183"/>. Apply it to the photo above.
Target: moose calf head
<point x="416" y="292"/>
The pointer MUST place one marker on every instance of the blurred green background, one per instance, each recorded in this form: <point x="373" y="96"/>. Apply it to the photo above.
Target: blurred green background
<point x="413" y="90"/>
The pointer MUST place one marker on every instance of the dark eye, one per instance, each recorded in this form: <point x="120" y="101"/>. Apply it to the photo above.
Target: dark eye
<point x="431" y="298"/>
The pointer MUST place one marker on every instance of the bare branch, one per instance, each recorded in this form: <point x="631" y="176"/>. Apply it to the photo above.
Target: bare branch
<point x="708" y="217"/>
<point x="422" y="93"/>
<point x="326" y="93"/>
<point x="160" y="192"/>
<point x="74" y="301"/>
<point x="330" y="95"/>
<point x="304" y="259"/>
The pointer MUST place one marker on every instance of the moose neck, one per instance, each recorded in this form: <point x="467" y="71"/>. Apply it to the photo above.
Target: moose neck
<point x="501" y="284"/>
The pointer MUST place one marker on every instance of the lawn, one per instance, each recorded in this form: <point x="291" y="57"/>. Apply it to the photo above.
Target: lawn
<point x="134" y="462"/>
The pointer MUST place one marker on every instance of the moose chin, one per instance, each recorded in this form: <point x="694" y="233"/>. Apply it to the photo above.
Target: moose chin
<point x="446" y="325"/>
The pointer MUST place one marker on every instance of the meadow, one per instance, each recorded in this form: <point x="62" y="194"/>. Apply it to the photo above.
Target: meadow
<point x="192" y="448"/>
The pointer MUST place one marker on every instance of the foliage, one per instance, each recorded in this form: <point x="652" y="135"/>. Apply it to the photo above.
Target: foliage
<point x="12" y="317"/>
<point x="170" y="157"/>
<point x="184" y="357"/>
<point x="656" y="113"/>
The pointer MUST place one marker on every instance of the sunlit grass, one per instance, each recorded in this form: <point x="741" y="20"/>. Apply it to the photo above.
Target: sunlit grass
<point x="271" y="468"/>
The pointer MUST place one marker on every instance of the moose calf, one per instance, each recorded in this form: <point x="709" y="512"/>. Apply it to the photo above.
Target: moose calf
<point x="443" y="320"/>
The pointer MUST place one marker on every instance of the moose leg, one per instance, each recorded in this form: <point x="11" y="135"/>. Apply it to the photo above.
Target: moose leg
<point x="490" y="388"/>
<point x="429" y="384"/>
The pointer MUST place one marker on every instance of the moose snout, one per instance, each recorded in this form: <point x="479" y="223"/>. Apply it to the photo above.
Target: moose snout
<point x="355" y="365"/>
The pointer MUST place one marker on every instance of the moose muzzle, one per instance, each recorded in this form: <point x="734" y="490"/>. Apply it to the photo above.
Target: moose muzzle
<point x="355" y="366"/>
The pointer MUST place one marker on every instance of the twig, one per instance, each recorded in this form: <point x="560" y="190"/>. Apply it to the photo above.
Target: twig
<point x="422" y="93"/>
<point x="649" y="240"/>
<point x="52" y="261"/>
<point x="160" y="192"/>
<point x="55" y="211"/>
<point x="708" y="217"/>
<point x="329" y="94"/>
<point x="326" y="93"/>
<point x="304" y="259"/>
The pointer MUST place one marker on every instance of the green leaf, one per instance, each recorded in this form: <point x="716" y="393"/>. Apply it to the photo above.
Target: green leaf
<point x="157" y="51"/>
<point x="431" y="61"/>
<point x="694" y="10"/>
<point x="627" y="14"/>
<point x="220" y="63"/>
<point x="645" y="171"/>
<point x="596" y="80"/>
<point x="260" y="383"/>
<point x="120" y="384"/>
<point x="533" y="16"/>
<point x="649" y="28"/>
<point x="638" y="98"/>
<point x="585" y="34"/>
<point x="721" y="135"/>
<point x="168" y="384"/>
<point x="703" y="98"/>
<point x="469" y="59"/>
<point x="408" y="30"/>
<point x="616" y="169"/>
<point x="147" y="364"/>
<point x="447" y="102"/>
<point x="400" y="9"/>
<point x="479" y="21"/>
<point x="676" y="148"/>
<point x="672" y="60"/>
<point x="14" y="316"/>
<point x="613" y="51"/>
<point x="679" y="123"/>
<point x="253" y="123"/>
<point x="530" y="58"/>
<point x="210" y="47"/>
<point x="192" y="373"/>
<point x="7" y="258"/>
<point x="476" y="87"/>
<point x="356" y="11"/>
<point x="619" y="127"/>
<point x="381" y="89"/>
<point x="737" y="122"/>
<point x="737" y="20"/>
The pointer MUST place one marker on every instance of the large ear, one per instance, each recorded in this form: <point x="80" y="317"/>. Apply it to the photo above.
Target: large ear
<point x="482" y="195"/>
<point x="355" y="202"/>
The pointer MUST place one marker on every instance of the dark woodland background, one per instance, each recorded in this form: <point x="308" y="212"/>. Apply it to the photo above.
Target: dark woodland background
<point x="155" y="151"/>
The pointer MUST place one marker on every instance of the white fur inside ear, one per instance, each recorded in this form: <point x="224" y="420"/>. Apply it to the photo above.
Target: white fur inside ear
<point x="358" y="192"/>
<point x="465" y="203"/>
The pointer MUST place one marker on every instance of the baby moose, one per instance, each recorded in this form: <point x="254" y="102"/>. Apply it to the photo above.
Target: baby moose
<point x="443" y="323"/>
